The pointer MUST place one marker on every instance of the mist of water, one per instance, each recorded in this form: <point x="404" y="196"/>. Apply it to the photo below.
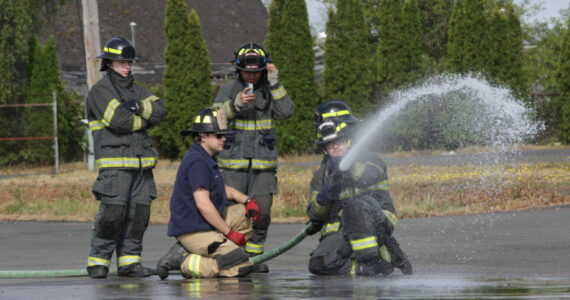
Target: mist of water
<point x="507" y="121"/>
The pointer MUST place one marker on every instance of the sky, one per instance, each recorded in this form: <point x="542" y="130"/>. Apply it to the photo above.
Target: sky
<point x="550" y="9"/>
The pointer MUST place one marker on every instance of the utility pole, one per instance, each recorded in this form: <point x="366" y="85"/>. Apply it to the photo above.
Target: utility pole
<point x="92" y="42"/>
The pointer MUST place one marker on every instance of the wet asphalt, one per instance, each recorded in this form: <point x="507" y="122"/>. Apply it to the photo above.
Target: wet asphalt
<point x="517" y="255"/>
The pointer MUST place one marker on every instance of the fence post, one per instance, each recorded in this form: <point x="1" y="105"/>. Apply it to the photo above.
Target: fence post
<point x="55" y="142"/>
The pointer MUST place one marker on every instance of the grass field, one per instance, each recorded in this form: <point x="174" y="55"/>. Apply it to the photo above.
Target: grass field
<point x="418" y="191"/>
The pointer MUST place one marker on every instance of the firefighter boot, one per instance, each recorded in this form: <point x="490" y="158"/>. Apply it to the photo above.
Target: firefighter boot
<point x="399" y="258"/>
<point x="135" y="270"/>
<point x="373" y="267"/>
<point x="97" y="272"/>
<point x="172" y="260"/>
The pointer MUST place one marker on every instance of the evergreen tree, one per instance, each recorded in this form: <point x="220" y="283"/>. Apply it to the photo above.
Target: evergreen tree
<point x="435" y="15"/>
<point x="506" y="49"/>
<point x="467" y="49"/>
<point x="563" y="82"/>
<point x="399" y="51"/>
<point x="44" y="80"/>
<point x="349" y="71"/>
<point x="290" y="45"/>
<point x="187" y="87"/>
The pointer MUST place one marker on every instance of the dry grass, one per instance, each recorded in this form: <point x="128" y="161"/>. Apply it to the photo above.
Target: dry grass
<point x="418" y="191"/>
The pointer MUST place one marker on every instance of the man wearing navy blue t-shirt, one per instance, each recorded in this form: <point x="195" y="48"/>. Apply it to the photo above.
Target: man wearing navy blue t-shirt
<point x="210" y="220"/>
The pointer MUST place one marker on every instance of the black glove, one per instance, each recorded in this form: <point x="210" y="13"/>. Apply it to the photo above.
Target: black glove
<point x="328" y="194"/>
<point x="131" y="105"/>
<point x="314" y="227"/>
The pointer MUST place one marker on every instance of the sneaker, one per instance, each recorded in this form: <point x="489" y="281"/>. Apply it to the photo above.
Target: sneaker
<point x="98" y="272"/>
<point x="135" y="270"/>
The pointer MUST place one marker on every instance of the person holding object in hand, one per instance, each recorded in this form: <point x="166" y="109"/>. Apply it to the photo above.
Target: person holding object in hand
<point x="352" y="209"/>
<point x="210" y="220"/>
<point x="252" y="102"/>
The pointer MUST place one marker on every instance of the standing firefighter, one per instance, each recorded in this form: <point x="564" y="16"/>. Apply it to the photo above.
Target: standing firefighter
<point x="354" y="206"/>
<point x="249" y="159"/>
<point x="120" y="113"/>
<point x="210" y="230"/>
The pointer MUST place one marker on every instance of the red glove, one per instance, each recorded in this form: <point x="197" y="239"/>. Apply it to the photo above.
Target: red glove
<point x="236" y="237"/>
<point x="252" y="210"/>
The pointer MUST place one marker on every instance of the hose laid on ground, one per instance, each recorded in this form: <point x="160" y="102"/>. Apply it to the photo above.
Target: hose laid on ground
<point x="83" y="272"/>
<point x="281" y="248"/>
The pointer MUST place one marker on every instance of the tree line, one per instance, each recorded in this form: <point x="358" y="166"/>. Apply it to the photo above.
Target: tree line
<point x="372" y="48"/>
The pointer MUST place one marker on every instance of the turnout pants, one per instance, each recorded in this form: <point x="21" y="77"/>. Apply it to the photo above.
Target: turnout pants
<point x="358" y="245"/>
<point x="123" y="216"/>
<point x="260" y="185"/>
<point x="205" y="246"/>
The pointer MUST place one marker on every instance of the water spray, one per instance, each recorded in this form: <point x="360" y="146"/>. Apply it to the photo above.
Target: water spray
<point x="511" y="120"/>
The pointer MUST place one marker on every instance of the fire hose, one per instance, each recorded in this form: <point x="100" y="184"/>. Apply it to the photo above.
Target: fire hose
<point x="83" y="272"/>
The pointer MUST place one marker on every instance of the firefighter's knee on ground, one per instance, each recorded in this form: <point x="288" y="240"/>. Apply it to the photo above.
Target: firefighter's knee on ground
<point x="110" y="222"/>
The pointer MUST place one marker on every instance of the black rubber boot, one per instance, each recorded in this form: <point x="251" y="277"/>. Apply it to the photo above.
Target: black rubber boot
<point x="260" y="268"/>
<point x="98" y="272"/>
<point x="134" y="270"/>
<point x="399" y="258"/>
<point x="374" y="267"/>
<point x="172" y="260"/>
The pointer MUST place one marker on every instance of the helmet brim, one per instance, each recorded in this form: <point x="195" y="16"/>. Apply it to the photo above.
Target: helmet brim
<point x="105" y="56"/>
<point x="250" y="69"/>
<point x="187" y="132"/>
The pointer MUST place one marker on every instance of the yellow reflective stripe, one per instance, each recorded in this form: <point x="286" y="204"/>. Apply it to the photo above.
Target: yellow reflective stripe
<point x="242" y="51"/>
<point x="96" y="125"/>
<point x="110" y="111"/>
<point x="151" y="98"/>
<point x="358" y="170"/>
<point x="194" y="265"/>
<point x="126" y="162"/>
<point x="244" y="163"/>
<point x="353" y="267"/>
<point x="385" y="254"/>
<point x="147" y="109"/>
<point x="350" y="192"/>
<point x="392" y="218"/>
<point x="129" y="260"/>
<point x="278" y="93"/>
<point x="112" y="50"/>
<point x="263" y="164"/>
<point x="335" y="114"/>
<point x="332" y="227"/>
<point x="252" y="125"/>
<point x="233" y="163"/>
<point x="364" y="243"/>
<point x="137" y="123"/>
<point x="341" y="126"/>
<point x="95" y="261"/>
<point x="254" y="248"/>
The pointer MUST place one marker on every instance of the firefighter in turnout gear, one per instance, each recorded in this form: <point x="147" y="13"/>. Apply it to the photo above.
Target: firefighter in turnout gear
<point x="120" y="112"/>
<point x="249" y="158"/>
<point x="210" y="220"/>
<point x="352" y="209"/>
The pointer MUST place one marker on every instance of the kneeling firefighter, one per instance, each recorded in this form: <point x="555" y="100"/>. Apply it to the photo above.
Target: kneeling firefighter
<point x="352" y="209"/>
<point x="211" y="221"/>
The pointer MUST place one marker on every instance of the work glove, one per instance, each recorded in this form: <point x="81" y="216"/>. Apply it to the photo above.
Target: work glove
<point x="328" y="194"/>
<point x="252" y="210"/>
<point x="273" y="77"/>
<point x="236" y="237"/>
<point x="314" y="227"/>
<point x="131" y="105"/>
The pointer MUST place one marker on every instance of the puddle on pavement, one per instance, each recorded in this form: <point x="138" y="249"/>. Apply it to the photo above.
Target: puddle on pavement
<point x="294" y="286"/>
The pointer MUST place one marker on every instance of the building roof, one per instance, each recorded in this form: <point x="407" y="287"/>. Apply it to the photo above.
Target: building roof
<point x="226" y="25"/>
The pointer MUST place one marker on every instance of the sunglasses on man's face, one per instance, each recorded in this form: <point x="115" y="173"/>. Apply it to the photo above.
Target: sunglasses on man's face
<point x="219" y="135"/>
